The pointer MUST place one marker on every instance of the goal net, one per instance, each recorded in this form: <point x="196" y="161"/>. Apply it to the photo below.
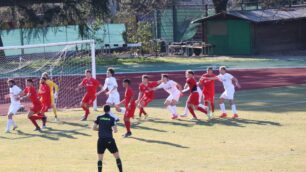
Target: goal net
<point x="64" y="62"/>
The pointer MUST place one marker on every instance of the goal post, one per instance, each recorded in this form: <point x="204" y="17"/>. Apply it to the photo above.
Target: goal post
<point x="64" y="61"/>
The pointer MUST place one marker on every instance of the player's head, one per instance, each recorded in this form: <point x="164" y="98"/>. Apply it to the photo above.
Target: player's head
<point x="222" y="69"/>
<point x="11" y="82"/>
<point x="106" y="108"/>
<point x="126" y="83"/>
<point x="88" y="73"/>
<point x="45" y="74"/>
<point x="29" y="82"/>
<point x="164" y="78"/>
<point x="145" y="79"/>
<point x="189" y="74"/>
<point x="42" y="80"/>
<point x="210" y="70"/>
<point x="110" y="72"/>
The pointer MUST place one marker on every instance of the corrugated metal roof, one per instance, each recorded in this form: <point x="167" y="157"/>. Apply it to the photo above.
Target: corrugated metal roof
<point x="262" y="15"/>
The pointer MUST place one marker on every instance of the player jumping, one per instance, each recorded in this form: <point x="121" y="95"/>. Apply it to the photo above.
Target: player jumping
<point x="53" y="92"/>
<point x="208" y="89"/>
<point x="193" y="99"/>
<point x="146" y="94"/>
<point x="35" y="110"/>
<point x="91" y="85"/>
<point x="130" y="106"/>
<point x="174" y="90"/>
<point x="15" y="104"/>
<point x="106" y="125"/>
<point x="229" y="90"/>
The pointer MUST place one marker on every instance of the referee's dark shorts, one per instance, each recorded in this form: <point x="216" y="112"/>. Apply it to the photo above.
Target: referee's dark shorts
<point x="107" y="143"/>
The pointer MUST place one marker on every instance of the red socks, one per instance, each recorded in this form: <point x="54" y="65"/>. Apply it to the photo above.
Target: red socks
<point x="86" y="111"/>
<point x="33" y="119"/>
<point x="127" y="124"/>
<point x="141" y="111"/>
<point x="192" y="112"/>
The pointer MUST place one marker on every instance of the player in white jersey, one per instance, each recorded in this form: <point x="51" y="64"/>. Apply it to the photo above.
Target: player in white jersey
<point x="174" y="90"/>
<point x="15" y="104"/>
<point x="229" y="82"/>
<point x="110" y="88"/>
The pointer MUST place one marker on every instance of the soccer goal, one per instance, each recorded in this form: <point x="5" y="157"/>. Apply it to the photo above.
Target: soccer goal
<point x="65" y="63"/>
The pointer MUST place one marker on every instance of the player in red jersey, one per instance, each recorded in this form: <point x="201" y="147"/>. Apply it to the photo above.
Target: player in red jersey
<point x="193" y="99"/>
<point x="91" y="85"/>
<point x="130" y="106"/>
<point x="45" y="97"/>
<point x="146" y="94"/>
<point x="208" y="89"/>
<point x="35" y="110"/>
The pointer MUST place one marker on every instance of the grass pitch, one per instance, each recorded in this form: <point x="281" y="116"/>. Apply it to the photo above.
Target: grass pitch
<point x="268" y="136"/>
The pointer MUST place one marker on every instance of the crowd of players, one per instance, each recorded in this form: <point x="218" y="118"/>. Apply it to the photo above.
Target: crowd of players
<point x="44" y="99"/>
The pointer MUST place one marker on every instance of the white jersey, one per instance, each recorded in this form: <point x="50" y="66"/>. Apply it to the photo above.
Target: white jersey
<point x="170" y="87"/>
<point x="226" y="79"/>
<point x="110" y="84"/>
<point x="14" y="91"/>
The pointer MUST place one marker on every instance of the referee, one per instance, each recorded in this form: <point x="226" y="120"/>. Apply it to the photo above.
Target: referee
<point x="106" y="125"/>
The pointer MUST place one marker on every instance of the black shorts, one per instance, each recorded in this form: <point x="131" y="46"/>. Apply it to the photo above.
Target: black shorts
<point x="106" y="143"/>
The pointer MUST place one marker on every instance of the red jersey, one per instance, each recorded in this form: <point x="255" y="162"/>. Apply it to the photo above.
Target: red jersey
<point x="192" y="83"/>
<point x="208" y="85"/>
<point x="33" y="95"/>
<point x="128" y="97"/>
<point x="91" y="85"/>
<point x="146" y="89"/>
<point x="44" y="93"/>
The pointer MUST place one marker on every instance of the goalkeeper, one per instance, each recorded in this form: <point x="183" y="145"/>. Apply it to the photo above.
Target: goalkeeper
<point x="54" y="93"/>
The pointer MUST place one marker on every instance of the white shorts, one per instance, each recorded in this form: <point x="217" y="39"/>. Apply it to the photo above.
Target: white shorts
<point x="13" y="109"/>
<point x="113" y="98"/>
<point x="228" y="94"/>
<point x="175" y="97"/>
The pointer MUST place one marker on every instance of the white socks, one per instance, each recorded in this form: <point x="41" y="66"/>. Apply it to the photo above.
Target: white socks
<point x="234" y="109"/>
<point x="172" y="109"/>
<point x="222" y="107"/>
<point x="186" y="111"/>
<point x="202" y="106"/>
<point x="10" y="123"/>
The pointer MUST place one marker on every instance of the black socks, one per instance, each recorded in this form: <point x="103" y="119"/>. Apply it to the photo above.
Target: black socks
<point x="119" y="164"/>
<point x="99" y="166"/>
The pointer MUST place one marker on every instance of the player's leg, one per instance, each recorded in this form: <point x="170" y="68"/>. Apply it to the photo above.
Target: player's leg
<point x="168" y="104"/>
<point x="112" y="147"/>
<point x="186" y="110"/>
<point x="234" y="109"/>
<point x="222" y="107"/>
<point x="53" y="106"/>
<point x="44" y="109"/>
<point x="190" y="105"/>
<point x="10" y="122"/>
<point x="118" y="161"/>
<point x="173" y="106"/>
<point x="127" y="124"/>
<point x="101" y="147"/>
<point x="32" y="117"/>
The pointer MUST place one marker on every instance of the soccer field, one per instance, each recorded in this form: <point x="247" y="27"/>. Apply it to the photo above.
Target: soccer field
<point x="268" y="136"/>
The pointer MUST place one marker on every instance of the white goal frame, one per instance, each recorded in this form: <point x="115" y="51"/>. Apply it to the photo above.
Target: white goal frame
<point x="90" y="42"/>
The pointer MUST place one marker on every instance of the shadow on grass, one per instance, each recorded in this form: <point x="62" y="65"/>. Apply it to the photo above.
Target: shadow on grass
<point x="137" y="126"/>
<point x="159" y="142"/>
<point x="240" y="122"/>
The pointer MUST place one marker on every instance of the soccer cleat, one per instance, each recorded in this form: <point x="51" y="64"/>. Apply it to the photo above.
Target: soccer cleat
<point x="210" y="115"/>
<point x="44" y="120"/>
<point x="194" y="119"/>
<point x="56" y="119"/>
<point x="84" y="118"/>
<point x="15" y="127"/>
<point x="146" y="116"/>
<point x="43" y="127"/>
<point x="235" y="116"/>
<point x="224" y="115"/>
<point x="185" y="115"/>
<point x="37" y="129"/>
<point x="126" y="135"/>
<point x="174" y="117"/>
<point x="7" y="131"/>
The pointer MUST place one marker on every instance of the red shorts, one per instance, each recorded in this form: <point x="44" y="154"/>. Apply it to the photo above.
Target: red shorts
<point x="209" y="96"/>
<point x="45" y="107"/>
<point x="36" y="108"/>
<point x="146" y="100"/>
<point x="130" y="111"/>
<point x="193" y="98"/>
<point x="88" y="99"/>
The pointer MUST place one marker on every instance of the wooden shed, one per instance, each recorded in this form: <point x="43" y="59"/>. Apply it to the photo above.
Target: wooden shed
<point x="256" y="32"/>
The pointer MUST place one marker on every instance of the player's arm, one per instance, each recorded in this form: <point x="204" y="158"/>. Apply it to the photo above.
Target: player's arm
<point x="95" y="127"/>
<point x="55" y="86"/>
<point x="103" y="89"/>
<point x="140" y="94"/>
<point x="24" y="95"/>
<point x="80" y="86"/>
<point x="115" y="129"/>
<point x="236" y="82"/>
<point x="186" y="88"/>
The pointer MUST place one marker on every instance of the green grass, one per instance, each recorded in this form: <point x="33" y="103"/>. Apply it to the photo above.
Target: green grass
<point x="269" y="136"/>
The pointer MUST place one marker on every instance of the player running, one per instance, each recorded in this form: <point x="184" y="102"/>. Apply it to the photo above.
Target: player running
<point x="130" y="106"/>
<point x="186" y="110"/>
<point x="229" y="90"/>
<point x="91" y="85"/>
<point x="45" y="97"/>
<point x="14" y="92"/>
<point x="53" y="92"/>
<point x="106" y="125"/>
<point x="146" y="94"/>
<point x="35" y="110"/>
<point x="193" y="99"/>
<point x="174" y="90"/>
<point x="208" y="89"/>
